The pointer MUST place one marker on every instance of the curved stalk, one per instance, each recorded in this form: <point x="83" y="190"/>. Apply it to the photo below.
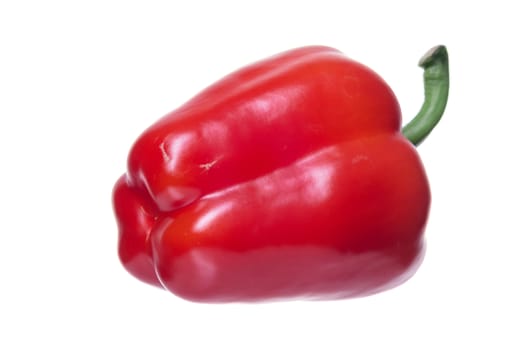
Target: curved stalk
<point x="436" y="83"/>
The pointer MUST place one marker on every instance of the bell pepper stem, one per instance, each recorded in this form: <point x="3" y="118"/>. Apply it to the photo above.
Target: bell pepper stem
<point x="436" y="83"/>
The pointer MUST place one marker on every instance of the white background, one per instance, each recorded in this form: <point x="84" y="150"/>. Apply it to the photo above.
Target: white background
<point x="79" y="82"/>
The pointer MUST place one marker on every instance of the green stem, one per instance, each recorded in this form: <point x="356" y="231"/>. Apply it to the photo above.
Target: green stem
<point x="436" y="82"/>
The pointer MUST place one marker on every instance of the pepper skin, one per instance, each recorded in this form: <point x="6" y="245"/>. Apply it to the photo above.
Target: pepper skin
<point x="287" y="179"/>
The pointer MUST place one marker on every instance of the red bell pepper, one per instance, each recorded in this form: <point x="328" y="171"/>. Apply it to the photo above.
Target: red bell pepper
<point x="288" y="179"/>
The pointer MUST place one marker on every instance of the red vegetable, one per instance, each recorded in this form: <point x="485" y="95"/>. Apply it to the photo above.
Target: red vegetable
<point x="289" y="178"/>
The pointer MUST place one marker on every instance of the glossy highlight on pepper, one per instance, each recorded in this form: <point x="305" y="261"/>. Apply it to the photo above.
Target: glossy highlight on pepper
<point x="288" y="179"/>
